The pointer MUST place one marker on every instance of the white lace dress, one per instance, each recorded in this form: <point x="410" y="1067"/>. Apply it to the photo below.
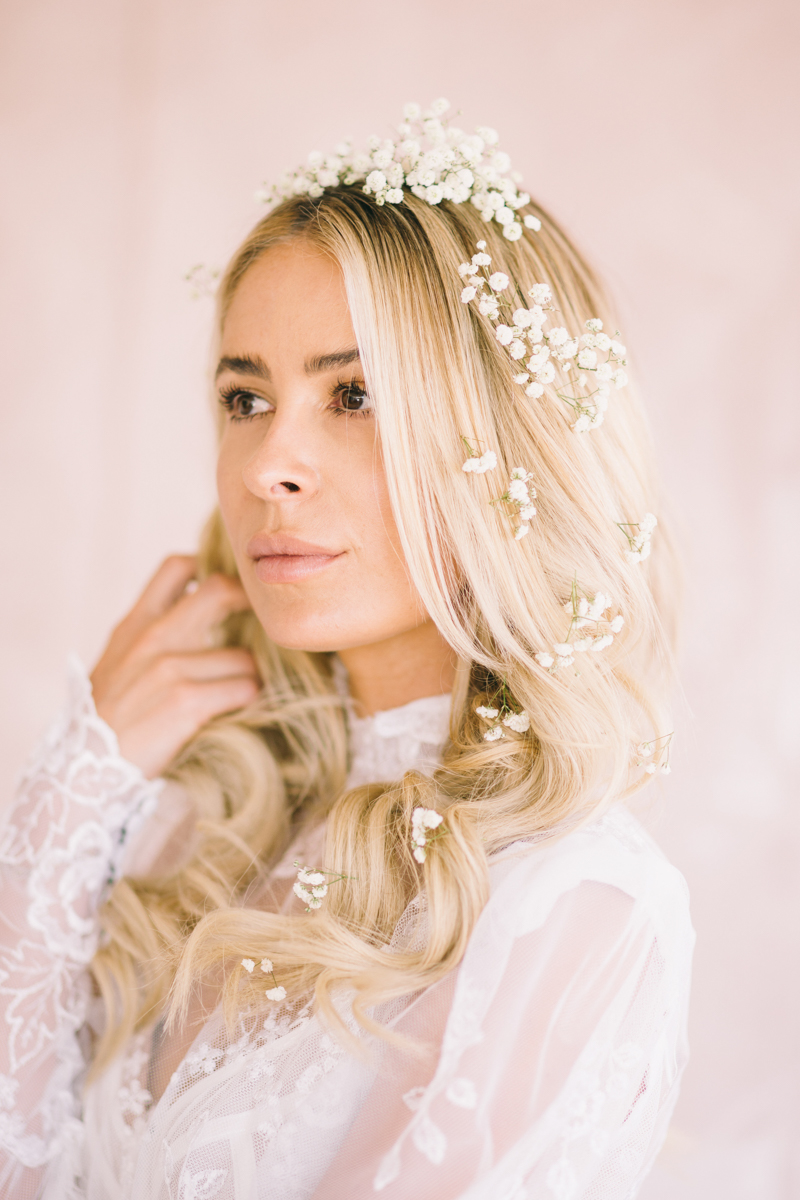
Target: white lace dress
<point x="553" y="1056"/>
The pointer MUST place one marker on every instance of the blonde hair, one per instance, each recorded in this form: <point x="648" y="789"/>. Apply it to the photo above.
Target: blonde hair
<point x="436" y="374"/>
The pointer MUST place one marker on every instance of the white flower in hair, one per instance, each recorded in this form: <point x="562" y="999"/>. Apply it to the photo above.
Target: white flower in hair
<point x="276" y="992"/>
<point x="586" y="613"/>
<point x="312" y="885"/>
<point x="551" y="351"/>
<point x="432" y="159"/>
<point x="501" y="713"/>
<point x="520" y="495"/>
<point x="639" y="540"/>
<point x="654" y="755"/>
<point x="422" y="821"/>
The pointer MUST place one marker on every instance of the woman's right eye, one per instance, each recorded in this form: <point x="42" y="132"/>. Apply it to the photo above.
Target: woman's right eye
<point x="242" y="404"/>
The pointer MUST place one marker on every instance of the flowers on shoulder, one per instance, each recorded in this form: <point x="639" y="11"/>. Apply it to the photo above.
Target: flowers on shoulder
<point x="638" y="534"/>
<point x="582" y="368"/>
<point x="520" y="495"/>
<point x="275" y="993"/>
<point x="312" y="885"/>
<point x="590" y="617"/>
<point x="500" y="714"/>
<point x="654" y="755"/>
<point x="423" y="820"/>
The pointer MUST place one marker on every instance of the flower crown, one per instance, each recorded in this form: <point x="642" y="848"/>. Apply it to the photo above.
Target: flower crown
<point x="435" y="160"/>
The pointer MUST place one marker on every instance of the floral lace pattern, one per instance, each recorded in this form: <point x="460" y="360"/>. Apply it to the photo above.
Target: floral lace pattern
<point x="59" y="851"/>
<point x="554" y="1051"/>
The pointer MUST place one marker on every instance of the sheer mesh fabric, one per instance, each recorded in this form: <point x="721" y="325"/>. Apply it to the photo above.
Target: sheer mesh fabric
<point x="547" y="1065"/>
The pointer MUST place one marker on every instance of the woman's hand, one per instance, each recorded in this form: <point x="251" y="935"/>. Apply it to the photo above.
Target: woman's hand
<point x="158" y="681"/>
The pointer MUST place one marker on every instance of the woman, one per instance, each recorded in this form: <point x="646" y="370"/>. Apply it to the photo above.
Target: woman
<point x="385" y="924"/>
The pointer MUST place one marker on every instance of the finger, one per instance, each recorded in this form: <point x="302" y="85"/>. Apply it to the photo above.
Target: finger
<point x="166" y="586"/>
<point x="199" y="702"/>
<point x="187" y="624"/>
<point x="230" y="662"/>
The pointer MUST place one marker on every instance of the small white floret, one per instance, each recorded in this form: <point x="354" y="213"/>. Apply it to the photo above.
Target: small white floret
<point x="276" y="993"/>
<point x="248" y="965"/>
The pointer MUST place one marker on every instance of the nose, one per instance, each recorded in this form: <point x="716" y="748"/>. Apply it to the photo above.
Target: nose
<point x="283" y="464"/>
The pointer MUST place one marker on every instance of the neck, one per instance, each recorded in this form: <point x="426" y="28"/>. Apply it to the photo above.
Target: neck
<point x="403" y="668"/>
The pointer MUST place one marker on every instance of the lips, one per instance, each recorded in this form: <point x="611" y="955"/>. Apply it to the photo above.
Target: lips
<point x="280" y="558"/>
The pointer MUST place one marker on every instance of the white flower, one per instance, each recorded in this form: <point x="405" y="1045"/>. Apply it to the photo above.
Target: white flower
<point x="517" y="491"/>
<point x="523" y="377"/>
<point x="583" y="424"/>
<point x="394" y="196"/>
<point x="376" y="181"/>
<point x="504" y="335"/>
<point x="562" y="649"/>
<point x="480" y="465"/>
<point x="594" y="325"/>
<point x="276" y="993"/>
<point x="512" y="231"/>
<point x="248" y="965"/>
<point x="489" y="135"/>
<point x="645" y="749"/>
<point x="481" y="259"/>
<point x="532" y="223"/>
<point x="469" y="293"/>
<point x="546" y="373"/>
<point x="519" y="722"/>
<point x="557" y="336"/>
<point x="521" y="318"/>
<point x="488" y="714"/>
<point x="534" y="390"/>
<point x="602" y="342"/>
<point x="617" y="622"/>
<point x="493" y="734"/>
<point x="602" y="642"/>
<point x="587" y="359"/>
<point x="619" y="379"/>
<point x="411" y="111"/>
<point x="440" y="106"/>
<point x="540" y="294"/>
<point x="520" y="532"/>
<point x="434" y="195"/>
<point x="527" y="513"/>
<point x="605" y="370"/>
<point x="517" y="349"/>
<point x="266" y="966"/>
<point x="498" y="282"/>
<point x="581" y="645"/>
<point x="544" y="659"/>
<point x="488" y="306"/>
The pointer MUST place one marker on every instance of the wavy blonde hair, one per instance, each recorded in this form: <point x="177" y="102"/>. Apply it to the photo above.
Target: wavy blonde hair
<point x="436" y="374"/>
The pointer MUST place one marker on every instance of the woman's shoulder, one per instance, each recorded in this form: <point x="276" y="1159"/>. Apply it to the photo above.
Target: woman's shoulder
<point x="611" y="851"/>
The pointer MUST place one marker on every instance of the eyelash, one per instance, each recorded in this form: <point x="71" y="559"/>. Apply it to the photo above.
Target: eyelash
<point x="228" y="396"/>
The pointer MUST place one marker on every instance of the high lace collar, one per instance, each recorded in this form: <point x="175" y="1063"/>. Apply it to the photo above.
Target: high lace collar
<point x="384" y="746"/>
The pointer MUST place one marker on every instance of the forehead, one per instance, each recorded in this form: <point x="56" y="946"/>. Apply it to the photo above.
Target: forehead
<point x="291" y="296"/>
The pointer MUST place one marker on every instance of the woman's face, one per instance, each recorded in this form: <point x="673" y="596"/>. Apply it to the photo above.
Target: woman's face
<point x="300" y="476"/>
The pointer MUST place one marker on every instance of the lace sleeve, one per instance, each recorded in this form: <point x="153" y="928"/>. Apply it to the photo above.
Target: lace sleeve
<point x="558" y="1051"/>
<point x="60" y="848"/>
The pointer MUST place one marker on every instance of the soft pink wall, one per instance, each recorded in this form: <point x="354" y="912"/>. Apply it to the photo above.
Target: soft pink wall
<point x="664" y="133"/>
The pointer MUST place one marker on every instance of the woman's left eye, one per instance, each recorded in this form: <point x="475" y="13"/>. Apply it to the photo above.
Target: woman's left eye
<point x="352" y="398"/>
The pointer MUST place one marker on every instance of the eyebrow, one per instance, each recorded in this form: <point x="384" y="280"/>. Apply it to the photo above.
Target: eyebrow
<point x="253" y="364"/>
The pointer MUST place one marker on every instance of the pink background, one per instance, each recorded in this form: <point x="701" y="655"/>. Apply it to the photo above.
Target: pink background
<point x="664" y="133"/>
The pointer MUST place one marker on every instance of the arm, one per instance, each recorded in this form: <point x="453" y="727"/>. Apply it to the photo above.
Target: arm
<point x="63" y="840"/>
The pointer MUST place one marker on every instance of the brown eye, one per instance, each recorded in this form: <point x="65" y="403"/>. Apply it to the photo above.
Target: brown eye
<point x="353" y="398"/>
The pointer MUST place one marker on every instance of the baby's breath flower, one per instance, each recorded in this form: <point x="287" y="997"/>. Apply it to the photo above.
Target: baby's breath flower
<point x="520" y="494"/>
<point x="638" y="534"/>
<point x="422" y="821"/>
<point x="312" y="885"/>
<point x="429" y="158"/>
<point x="654" y="755"/>
<point x="498" y="282"/>
<point x="248" y="965"/>
<point x="585" y="613"/>
<point x="468" y="294"/>
<point x="276" y="993"/>
<point x="478" y="464"/>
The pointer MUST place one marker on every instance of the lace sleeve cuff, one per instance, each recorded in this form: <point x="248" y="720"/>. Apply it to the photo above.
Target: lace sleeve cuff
<point x="78" y="803"/>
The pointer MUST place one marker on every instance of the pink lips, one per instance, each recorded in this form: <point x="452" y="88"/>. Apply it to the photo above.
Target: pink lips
<point x="280" y="558"/>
